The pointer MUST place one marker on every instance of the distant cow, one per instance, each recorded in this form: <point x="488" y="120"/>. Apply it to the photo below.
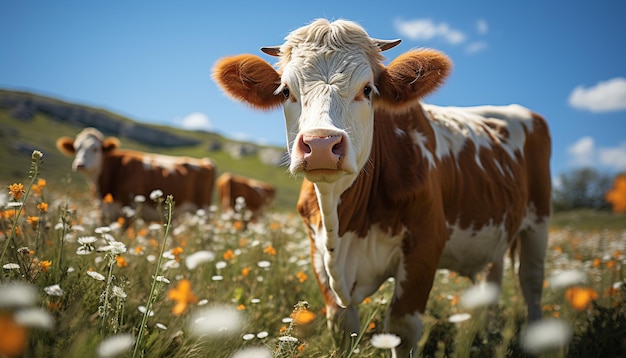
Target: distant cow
<point x="257" y="194"/>
<point x="394" y="187"/>
<point x="126" y="173"/>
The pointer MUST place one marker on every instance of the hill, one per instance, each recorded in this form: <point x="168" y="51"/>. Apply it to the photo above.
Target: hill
<point x="30" y="121"/>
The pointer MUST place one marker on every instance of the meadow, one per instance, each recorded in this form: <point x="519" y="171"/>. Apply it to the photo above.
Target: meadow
<point x="212" y="284"/>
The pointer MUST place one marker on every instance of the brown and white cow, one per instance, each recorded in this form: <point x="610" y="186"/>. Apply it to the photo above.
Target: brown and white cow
<point x="257" y="194"/>
<point x="394" y="187"/>
<point x="126" y="174"/>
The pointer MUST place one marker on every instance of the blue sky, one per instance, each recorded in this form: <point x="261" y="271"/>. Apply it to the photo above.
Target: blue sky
<point x="151" y="60"/>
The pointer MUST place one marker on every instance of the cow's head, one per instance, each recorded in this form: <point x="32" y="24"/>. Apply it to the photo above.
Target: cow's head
<point x="330" y="80"/>
<point x="88" y="150"/>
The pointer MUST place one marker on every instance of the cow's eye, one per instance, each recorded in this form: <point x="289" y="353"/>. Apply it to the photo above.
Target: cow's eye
<point x="367" y="90"/>
<point x="285" y="92"/>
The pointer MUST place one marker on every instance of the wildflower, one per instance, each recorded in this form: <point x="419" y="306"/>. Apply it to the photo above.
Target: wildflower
<point x="140" y="199"/>
<point x="241" y="307"/>
<point x="121" y="261"/>
<point x="183" y="296"/>
<point x="303" y="317"/>
<point x="54" y="290"/>
<point x="288" y="339"/>
<point x="161" y="326"/>
<point x="176" y="252"/>
<point x="302" y="276"/>
<point x="17" y="294"/>
<point x="32" y="220"/>
<point x="16" y="190"/>
<point x="119" y="292"/>
<point x="220" y="265"/>
<point x="14" y="336"/>
<point x="115" y="345"/>
<point x="264" y="264"/>
<point x="566" y="278"/>
<point x="155" y="194"/>
<point x="96" y="275"/>
<point x="197" y="258"/>
<point x="248" y="336"/>
<point x="142" y="309"/>
<point x="270" y="250"/>
<point x="371" y="326"/>
<point x="244" y="271"/>
<point x="459" y="317"/>
<point x="34" y="317"/>
<point x="262" y="334"/>
<point x="385" y="340"/>
<point x="45" y="265"/>
<point x="253" y="352"/>
<point x="546" y="334"/>
<point x="580" y="298"/>
<point x="480" y="295"/>
<point x="162" y="279"/>
<point x="216" y="321"/>
<point x="108" y="198"/>
<point x="229" y="255"/>
<point x="11" y="266"/>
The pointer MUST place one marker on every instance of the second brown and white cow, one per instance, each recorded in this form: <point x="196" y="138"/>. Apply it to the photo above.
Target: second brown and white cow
<point x="125" y="174"/>
<point x="257" y="194"/>
<point x="394" y="187"/>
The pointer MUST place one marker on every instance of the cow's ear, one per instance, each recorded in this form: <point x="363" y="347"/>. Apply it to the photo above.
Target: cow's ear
<point x="66" y="145"/>
<point x="412" y="76"/>
<point x="249" y="79"/>
<point x="110" y="144"/>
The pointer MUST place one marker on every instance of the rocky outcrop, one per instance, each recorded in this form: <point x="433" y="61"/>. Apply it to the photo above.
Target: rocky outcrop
<point x="24" y="106"/>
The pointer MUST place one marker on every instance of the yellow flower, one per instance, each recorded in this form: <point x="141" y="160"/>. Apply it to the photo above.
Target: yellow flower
<point x="270" y="250"/>
<point x="580" y="298"/>
<point x="302" y="276"/>
<point x="182" y="295"/>
<point x="303" y="317"/>
<point x="121" y="261"/>
<point x="108" y="199"/>
<point x="43" y="207"/>
<point x="176" y="252"/>
<point x="14" y="337"/>
<point x="45" y="265"/>
<point x="16" y="190"/>
<point x="229" y="255"/>
<point x="33" y="220"/>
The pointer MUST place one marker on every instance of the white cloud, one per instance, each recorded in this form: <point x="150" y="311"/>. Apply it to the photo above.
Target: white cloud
<point x="475" y="47"/>
<point x="605" y="96"/>
<point x="195" y="120"/>
<point x="482" y="27"/>
<point x="584" y="153"/>
<point x="427" y="29"/>
<point x="614" y="157"/>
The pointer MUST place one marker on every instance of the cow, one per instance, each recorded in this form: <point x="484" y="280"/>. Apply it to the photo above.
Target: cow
<point x="394" y="187"/>
<point x="257" y="194"/>
<point x="125" y="174"/>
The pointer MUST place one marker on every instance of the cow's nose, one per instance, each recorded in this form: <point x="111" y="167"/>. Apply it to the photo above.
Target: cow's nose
<point x="322" y="152"/>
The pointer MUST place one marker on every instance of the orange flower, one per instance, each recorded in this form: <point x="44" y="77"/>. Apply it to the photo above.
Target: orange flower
<point x="283" y="329"/>
<point x="302" y="276"/>
<point x="245" y="271"/>
<point x="183" y="296"/>
<point x="270" y="250"/>
<point x="597" y="262"/>
<point x="41" y="183"/>
<point x="238" y="225"/>
<point x="16" y="190"/>
<point x="120" y="221"/>
<point x="176" y="252"/>
<point x="229" y="255"/>
<point x="43" y="207"/>
<point x="241" y="307"/>
<point x="108" y="199"/>
<point x="121" y="261"/>
<point x="139" y="249"/>
<point x="45" y="265"/>
<point x="580" y="298"/>
<point x="13" y="338"/>
<point x="33" y="220"/>
<point x="301" y="347"/>
<point x="303" y="317"/>
<point x="371" y="326"/>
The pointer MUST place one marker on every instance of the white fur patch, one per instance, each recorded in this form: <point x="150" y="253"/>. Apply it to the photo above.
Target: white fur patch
<point x="454" y="126"/>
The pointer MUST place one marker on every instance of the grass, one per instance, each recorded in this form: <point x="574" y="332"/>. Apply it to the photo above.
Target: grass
<point x="209" y="284"/>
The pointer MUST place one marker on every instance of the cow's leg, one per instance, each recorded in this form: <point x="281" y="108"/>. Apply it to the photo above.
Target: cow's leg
<point x="408" y="327"/>
<point x="533" y="246"/>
